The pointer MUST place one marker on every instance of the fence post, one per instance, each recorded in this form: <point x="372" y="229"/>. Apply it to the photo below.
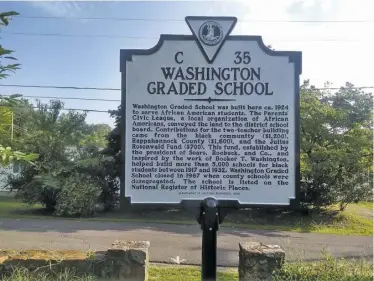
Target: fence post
<point x="129" y="260"/>
<point x="257" y="262"/>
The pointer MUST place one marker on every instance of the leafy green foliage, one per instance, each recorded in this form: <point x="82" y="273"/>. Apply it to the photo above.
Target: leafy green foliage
<point x="6" y="16"/>
<point x="113" y="148"/>
<point x="6" y="122"/>
<point x="78" y="196"/>
<point x="34" y="188"/>
<point x="14" y="112"/>
<point x="111" y="165"/>
<point x="336" y="146"/>
<point x="52" y="136"/>
<point x="70" y="159"/>
<point x="5" y="109"/>
<point x="104" y="166"/>
<point x="11" y="117"/>
<point x="96" y="135"/>
<point x="101" y="169"/>
<point x="7" y="156"/>
<point x="5" y="53"/>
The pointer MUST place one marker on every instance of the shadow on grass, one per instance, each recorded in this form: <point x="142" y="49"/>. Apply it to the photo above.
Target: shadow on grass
<point x="177" y="221"/>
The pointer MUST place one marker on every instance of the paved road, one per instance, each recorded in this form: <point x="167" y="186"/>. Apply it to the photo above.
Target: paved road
<point x="169" y="241"/>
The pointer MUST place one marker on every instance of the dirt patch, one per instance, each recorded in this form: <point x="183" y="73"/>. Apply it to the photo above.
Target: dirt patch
<point x="7" y="255"/>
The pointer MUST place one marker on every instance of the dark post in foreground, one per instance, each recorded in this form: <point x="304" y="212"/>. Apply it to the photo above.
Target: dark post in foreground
<point x="210" y="217"/>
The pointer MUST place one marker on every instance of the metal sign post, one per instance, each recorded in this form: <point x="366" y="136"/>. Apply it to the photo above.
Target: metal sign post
<point x="210" y="217"/>
<point x="209" y="221"/>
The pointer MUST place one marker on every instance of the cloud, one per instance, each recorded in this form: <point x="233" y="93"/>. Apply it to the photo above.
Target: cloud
<point x="337" y="52"/>
<point x="313" y="9"/>
<point x="59" y="8"/>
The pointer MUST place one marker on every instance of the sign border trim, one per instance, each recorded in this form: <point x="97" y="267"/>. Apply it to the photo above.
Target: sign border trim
<point x="295" y="57"/>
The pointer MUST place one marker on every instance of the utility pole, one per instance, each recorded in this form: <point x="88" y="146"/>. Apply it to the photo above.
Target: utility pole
<point x="12" y="128"/>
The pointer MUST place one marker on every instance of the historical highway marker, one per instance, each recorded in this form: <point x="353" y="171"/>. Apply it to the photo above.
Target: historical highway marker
<point x="211" y="115"/>
<point x="210" y="118"/>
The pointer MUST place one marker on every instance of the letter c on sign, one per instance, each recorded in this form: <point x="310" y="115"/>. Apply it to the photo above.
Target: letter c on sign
<point x="176" y="57"/>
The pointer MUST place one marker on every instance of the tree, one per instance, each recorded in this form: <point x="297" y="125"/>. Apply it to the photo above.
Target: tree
<point x="96" y="135"/>
<point x="5" y="70"/>
<point x="113" y="148"/>
<point x="70" y="177"/>
<point x="5" y="53"/>
<point x="78" y="196"/>
<point x="64" y="178"/>
<point x="7" y="155"/>
<point x="6" y="116"/>
<point x="55" y="137"/>
<point x="104" y="165"/>
<point x="336" y="145"/>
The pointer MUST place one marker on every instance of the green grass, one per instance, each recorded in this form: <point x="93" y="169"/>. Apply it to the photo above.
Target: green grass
<point x="187" y="273"/>
<point x="349" y="222"/>
<point x="357" y="219"/>
<point x="10" y="207"/>
<point x="329" y="269"/>
<point x="367" y="205"/>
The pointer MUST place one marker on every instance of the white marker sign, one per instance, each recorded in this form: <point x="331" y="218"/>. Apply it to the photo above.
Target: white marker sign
<point x="211" y="115"/>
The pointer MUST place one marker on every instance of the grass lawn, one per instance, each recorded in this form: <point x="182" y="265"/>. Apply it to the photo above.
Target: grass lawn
<point x="367" y="205"/>
<point x="357" y="219"/>
<point x="187" y="273"/>
<point x="330" y="269"/>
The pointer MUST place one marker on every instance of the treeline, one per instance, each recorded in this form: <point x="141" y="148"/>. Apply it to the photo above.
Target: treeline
<point x="336" y="132"/>
<point x="79" y="165"/>
<point x="64" y="173"/>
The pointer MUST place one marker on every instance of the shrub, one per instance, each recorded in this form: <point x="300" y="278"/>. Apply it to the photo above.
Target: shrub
<point x="78" y="196"/>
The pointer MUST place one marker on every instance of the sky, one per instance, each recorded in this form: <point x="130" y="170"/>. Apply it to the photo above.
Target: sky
<point x="337" y="52"/>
